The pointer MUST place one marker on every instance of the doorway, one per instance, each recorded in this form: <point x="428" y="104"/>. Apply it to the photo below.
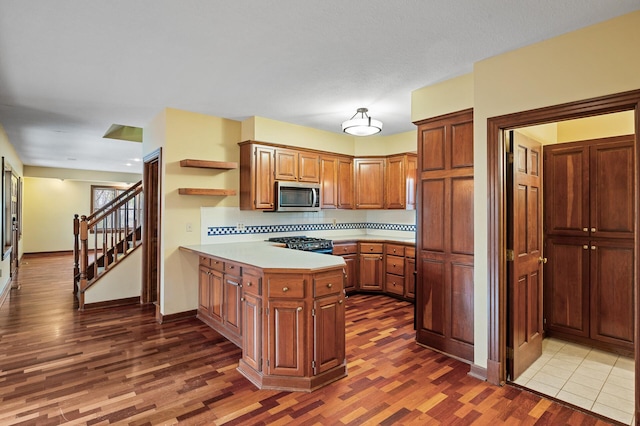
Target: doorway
<point x="497" y="268"/>
<point x="151" y="234"/>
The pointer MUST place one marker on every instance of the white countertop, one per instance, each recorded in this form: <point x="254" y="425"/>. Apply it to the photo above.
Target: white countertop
<point x="266" y="255"/>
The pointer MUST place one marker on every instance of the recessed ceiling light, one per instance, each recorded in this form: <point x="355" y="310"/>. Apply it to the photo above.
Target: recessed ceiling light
<point x="71" y="159"/>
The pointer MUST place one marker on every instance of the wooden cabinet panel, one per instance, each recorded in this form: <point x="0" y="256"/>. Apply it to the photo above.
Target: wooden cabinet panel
<point x="351" y="270"/>
<point x="394" y="249"/>
<point x="369" y="187"/>
<point x="328" y="326"/>
<point x="286" y="332"/>
<point x="340" y="249"/>
<point x="566" y="295"/>
<point x="611" y="190"/>
<point x="370" y="276"/>
<point x="203" y="290"/>
<point x="257" y="167"/>
<point x="252" y="331"/>
<point x="325" y="283"/>
<point x="286" y="286"/>
<point x="395" y="265"/>
<point x="345" y="183"/>
<point x="371" y="247"/>
<point x="444" y="284"/>
<point x="612" y="293"/>
<point x="411" y="181"/>
<point x="251" y="282"/>
<point x="216" y="295"/>
<point x="329" y="182"/>
<point x="286" y="164"/>
<point x="410" y="278"/>
<point x="395" y="183"/>
<point x="232" y="305"/>
<point x="394" y="284"/>
<point x="308" y="167"/>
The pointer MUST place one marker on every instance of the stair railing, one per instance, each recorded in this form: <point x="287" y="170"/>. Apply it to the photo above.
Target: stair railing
<point x="114" y="231"/>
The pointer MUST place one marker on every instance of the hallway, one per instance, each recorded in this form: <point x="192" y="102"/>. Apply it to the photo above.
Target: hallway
<point x="117" y="365"/>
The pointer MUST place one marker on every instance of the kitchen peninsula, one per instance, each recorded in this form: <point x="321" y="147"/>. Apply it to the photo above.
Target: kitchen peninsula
<point x="284" y="308"/>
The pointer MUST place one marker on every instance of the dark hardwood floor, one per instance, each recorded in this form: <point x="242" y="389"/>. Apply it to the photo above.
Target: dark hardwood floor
<point x="118" y="366"/>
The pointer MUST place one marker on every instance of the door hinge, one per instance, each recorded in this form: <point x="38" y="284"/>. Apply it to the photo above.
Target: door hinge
<point x="509" y="353"/>
<point x="266" y="311"/>
<point x="510" y="256"/>
<point x="313" y="366"/>
<point x="313" y="314"/>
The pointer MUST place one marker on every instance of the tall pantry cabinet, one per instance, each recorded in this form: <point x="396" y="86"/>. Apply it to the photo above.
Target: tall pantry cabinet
<point x="589" y="230"/>
<point x="444" y="286"/>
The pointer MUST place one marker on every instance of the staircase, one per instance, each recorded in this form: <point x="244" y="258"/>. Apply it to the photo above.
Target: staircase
<point x="105" y="238"/>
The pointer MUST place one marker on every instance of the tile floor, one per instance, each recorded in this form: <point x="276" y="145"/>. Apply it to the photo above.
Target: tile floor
<point x="599" y="381"/>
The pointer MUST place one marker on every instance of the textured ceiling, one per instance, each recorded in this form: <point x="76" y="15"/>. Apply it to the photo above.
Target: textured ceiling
<point x="69" y="69"/>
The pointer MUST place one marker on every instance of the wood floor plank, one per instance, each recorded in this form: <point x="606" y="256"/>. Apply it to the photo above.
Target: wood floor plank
<point x="118" y="366"/>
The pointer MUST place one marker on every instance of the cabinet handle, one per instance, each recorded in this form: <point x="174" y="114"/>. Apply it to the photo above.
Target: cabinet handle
<point x="593" y="247"/>
<point x="249" y="284"/>
<point x="593" y="229"/>
<point x="585" y="229"/>
<point x="242" y="299"/>
<point x="285" y="289"/>
<point x="585" y="247"/>
<point x="299" y="309"/>
<point x="370" y="248"/>
<point x="329" y="285"/>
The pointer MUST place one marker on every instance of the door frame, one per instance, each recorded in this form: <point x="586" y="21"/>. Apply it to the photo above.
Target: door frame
<point x="497" y="265"/>
<point x="152" y="179"/>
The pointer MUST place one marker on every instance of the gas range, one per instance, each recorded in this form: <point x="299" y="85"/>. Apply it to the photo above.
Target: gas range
<point x="316" y="245"/>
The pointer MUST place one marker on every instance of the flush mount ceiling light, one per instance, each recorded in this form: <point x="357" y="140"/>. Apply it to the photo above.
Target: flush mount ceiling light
<point x="363" y="125"/>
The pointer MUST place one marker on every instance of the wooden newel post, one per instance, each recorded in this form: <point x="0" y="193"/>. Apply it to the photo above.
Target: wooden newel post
<point x="84" y="259"/>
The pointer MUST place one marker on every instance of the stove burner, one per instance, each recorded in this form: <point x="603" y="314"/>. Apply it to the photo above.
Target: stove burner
<point x="319" y="245"/>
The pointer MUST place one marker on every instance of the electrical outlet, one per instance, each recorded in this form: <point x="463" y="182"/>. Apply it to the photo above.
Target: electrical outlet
<point x="240" y="226"/>
<point x="189" y="227"/>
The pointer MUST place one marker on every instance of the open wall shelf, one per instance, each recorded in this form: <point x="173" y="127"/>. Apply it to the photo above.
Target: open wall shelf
<point x="206" y="191"/>
<point x="205" y="164"/>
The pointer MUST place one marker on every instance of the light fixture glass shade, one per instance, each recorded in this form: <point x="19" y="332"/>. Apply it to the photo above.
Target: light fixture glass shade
<point x="363" y="125"/>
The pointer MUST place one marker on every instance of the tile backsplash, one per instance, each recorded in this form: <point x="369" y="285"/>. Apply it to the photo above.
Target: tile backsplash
<point x="230" y="224"/>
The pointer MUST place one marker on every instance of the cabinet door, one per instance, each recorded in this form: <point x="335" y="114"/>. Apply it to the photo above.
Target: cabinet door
<point x="611" y="190"/>
<point x="308" y="167"/>
<point x="329" y="182"/>
<point x="286" y="164"/>
<point x="370" y="277"/>
<point x="345" y="183"/>
<point x="232" y="313"/>
<point x="369" y="188"/>
<point x="566" y="286"/>
<point x="410" y="278"/>
<point x="203" y="290"/>
<point x="395" y="183"/>
<point x="286" y="331"/>
<point x="351" y="269"/>
<point x="328" y="333"/>
<point x="411" y="183"/>
<point x="216" y="295"/>
<point x="252" y="331"/>
<point x="612" y="292"/>
<point x="263" y="178"/>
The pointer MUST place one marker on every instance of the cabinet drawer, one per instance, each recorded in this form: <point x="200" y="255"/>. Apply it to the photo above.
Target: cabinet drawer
<point x="370" y="247"/>
<point x="348" y="248"/>
<point x="395" y="265"/>
<point x="328" y="283"/>
<point x="217" y="264"/>
<point x="251" y="282"/>
<point x="410" y="252"/>
<point x="285" y="287"/>
<point x="233" y="269"/>
<point x="394" y="284"/>
<point x="394" y="250"/>
<point x="204" y="261"/>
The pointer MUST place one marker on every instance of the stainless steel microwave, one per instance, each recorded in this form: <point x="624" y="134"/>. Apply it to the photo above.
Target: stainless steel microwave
<point x="297" y="197"/>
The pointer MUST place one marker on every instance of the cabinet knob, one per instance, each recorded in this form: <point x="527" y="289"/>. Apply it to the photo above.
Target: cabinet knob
<point x="542" y="260"/>
<point x="380" y="258"/>
<point x="329" y="285"/>
<point x="299" y="309"/>
<point x="370" y="248"/>
<point x="394" y="250"/>
<point x="585" y="229"/>
<point x="285" y="289"/>
<point x="249" y="284"/>
<point x="585" y="247"/>
<point x="593" y="229"/>
<point x="593" y="247"/>
<point x="242" y="299"/>
<point x="340" y="302"/>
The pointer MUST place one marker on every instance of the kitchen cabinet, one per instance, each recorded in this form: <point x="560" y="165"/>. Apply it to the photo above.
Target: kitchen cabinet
<point x="328" y="329"/>
<point x="337" y="182"/>
<point x="369" y="182"/>
<point x="410" y="273"/>
<point x="293" y="165"/>
<point x="394" y="266"/>
<point x="349" y="252"/>
<point x="219" y="299"/>
<point x="400" y="182"/>
<point x="444" y="242"/>
<point x="371" y="267"/>
<point x="589" y="231"/>
<point x="257" y="173"/>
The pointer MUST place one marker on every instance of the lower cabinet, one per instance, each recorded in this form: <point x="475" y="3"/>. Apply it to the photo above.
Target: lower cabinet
<point x="349" y="252"/>
<point x="370" y="266"/>
<point x="589" y="291"/>
<point x="293" y="329"/>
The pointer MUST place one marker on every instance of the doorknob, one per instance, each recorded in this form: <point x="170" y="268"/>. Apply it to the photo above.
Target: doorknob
<point x="542" y="260"/>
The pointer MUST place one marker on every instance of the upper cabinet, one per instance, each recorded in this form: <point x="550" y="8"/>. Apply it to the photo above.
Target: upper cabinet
<point x="293" y="165"/>
<point x="400" y="182"/>
<point x="346" y="183"/>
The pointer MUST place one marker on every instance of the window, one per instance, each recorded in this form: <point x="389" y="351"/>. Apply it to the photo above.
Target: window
<point x="102" y="196"/>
